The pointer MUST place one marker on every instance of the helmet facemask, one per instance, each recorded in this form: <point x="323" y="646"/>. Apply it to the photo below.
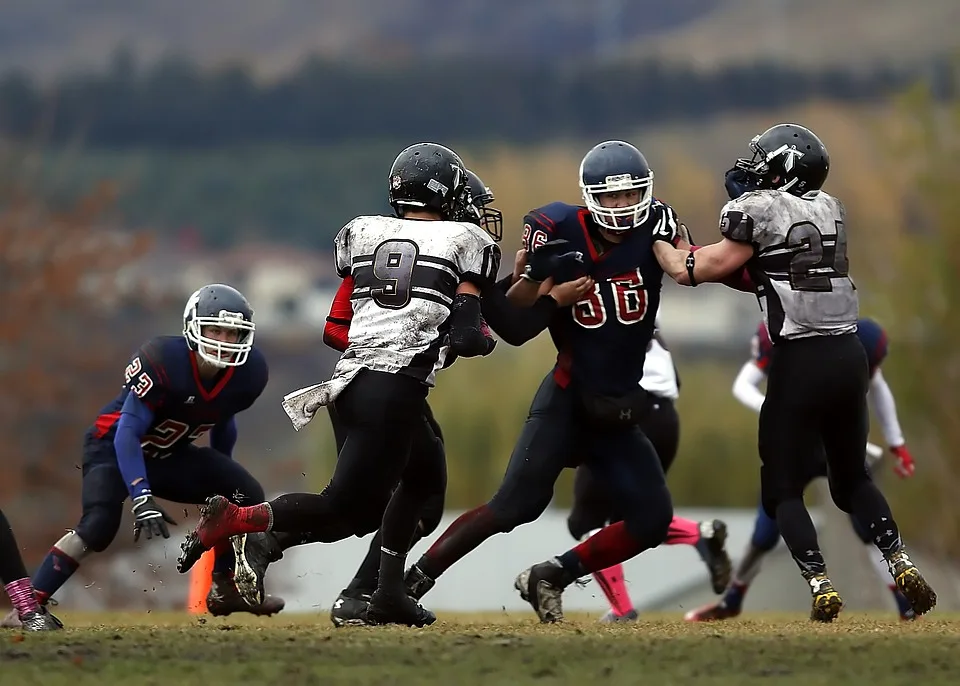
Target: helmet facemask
<point x="221" y="354"/>
<point x="619" y="219"/>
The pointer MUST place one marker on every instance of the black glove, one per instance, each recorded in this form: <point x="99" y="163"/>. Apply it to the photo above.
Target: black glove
<point x="491" y="341"/>
<point x="151" y="518"/>
<point x="550" y="259"/>
<point x="738" y="181"/>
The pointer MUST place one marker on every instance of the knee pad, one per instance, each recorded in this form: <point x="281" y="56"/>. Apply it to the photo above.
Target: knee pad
<point x="508" y="515"/>
<point x="649" y="522"/>
<point x="431" y="515"/>
<point x="73" y="546"/>
<point x="766" y="533"/>
<point x="97" y="528"/>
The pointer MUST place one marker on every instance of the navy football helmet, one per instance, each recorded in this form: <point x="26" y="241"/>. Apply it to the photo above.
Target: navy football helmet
<point x="787" y="157"/>
<point x="428" y="176"/>
<point x="477" y="210"/>
<point x="223" y="306"/>
<point x="610" y="167"/>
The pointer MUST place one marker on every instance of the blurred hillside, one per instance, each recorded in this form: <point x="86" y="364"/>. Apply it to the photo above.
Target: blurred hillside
<point x="47" y="37"/>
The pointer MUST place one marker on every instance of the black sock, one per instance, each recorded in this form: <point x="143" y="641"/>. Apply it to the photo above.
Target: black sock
<point x="11" y="562"/>
<point x="400" y="522"/>
<point x="871" y="508"/>
<point x="800" y="535"/>
<point x="368" y="574"/>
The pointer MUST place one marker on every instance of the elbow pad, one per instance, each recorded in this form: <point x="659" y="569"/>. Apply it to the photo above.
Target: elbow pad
<point x="467" y="338"/>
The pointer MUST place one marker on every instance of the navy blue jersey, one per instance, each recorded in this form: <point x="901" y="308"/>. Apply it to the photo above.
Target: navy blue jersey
<point x="164" y="375"/>
<point x="602" y="340"/>
<point x="871" y="335"/>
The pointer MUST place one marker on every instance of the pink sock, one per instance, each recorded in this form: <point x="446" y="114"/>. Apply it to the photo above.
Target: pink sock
<point x="683" y="532"/>
<point x="22" y="596"/>
<point x="615" y="588"/>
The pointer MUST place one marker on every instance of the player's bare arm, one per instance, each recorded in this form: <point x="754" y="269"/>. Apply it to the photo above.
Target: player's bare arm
<point x="713" y="262"/>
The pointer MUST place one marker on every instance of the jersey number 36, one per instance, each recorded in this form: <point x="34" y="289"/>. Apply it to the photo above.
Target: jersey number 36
<point x="629" y="302"/>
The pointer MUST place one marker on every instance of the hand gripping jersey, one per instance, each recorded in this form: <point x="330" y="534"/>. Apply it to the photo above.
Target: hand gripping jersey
<point x="164" y="374"/>
<point x="602" y="340"/>
<point x="405" y="274"/>
<point x="800" y="262"/>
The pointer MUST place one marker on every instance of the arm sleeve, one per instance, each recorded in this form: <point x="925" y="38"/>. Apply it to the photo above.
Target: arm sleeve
<point x="515" y="325"/>
<point x="746" y="387"/>
<point x="881" y="397"/>
<point x="223" y="436"/>
<point x="135" y="420"/>
<point x="337" y="328"/>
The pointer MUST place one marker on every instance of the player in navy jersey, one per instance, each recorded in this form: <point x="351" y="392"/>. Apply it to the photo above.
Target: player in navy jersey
<point x="588" y="406"/>
<point x="766" y="534"/>
<point x="176" y="390"/>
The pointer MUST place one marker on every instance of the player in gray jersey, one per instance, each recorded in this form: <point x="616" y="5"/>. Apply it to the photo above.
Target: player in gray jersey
<point x="416" y="283"/>
<point x="784" y="237"/>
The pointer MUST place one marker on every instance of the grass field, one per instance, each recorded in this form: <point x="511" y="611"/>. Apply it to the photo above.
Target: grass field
<point x="476" y="649"/>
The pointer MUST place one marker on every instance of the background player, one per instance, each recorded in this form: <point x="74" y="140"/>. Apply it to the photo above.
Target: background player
<point x="592" y="508"/>
<point x="176" y="389"/>
<point x="791" y="237"/>
<point x="588" y="406"/>
<point x="766" y="535"/>
<point x="416" y="301"/>
<point x="27" y="613"/>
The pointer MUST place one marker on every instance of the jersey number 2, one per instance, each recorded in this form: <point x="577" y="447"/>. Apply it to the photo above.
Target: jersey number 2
<point x="393" y="263"/>
<point x="817" y="258"/>
<point x="629" y="301"/>
<point x="144" y="382"/>
<point x="166" y="434"/>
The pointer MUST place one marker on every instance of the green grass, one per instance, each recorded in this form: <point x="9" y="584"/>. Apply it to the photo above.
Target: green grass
<point x="474" y="649"/>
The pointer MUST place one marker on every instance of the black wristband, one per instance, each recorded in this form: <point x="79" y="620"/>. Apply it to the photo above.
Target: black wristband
<point x="691" y="263"/>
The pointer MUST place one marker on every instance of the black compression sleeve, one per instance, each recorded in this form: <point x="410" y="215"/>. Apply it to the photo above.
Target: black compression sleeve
<point x="516" y="325"/>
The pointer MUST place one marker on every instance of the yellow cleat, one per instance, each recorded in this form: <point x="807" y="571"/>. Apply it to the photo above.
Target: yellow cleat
<point x="911" y="584"/>
<point x="827" y="603"/>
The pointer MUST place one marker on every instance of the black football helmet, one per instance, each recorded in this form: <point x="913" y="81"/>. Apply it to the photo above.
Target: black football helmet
<point x="477" y="210"/>
<point x="787" y="157"/>
<point x="219" y="305"/>
<point x="615" y="166"/>
<point x="428" y="176"/>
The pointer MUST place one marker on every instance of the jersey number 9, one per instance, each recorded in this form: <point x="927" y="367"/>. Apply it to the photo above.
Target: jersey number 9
<point x="393" y="263"/>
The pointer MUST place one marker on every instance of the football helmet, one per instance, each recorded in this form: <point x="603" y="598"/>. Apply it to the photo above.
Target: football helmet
<point x="787" y="157"/>
<point x="219" y="305"/>
<point x="477" y="210"/>
<point x="614" y="166"/>
<point x="428" y="176"/>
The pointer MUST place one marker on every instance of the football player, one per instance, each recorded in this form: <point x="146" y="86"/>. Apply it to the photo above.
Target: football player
<point x="176" y="389"/>
<point x="27" y="613"/>
<point x="790" y="236"/>
<point x="766" y="535"/>
<point x="416" y="282"/>
<point x="592" y="509"/>
<point x="589" y="405"/>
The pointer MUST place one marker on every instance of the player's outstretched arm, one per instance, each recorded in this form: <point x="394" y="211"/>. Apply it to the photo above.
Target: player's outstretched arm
<point x="881" y="397"/>
<point x="746" y="387"/>
<point x="715" y="262"/>
<point x="517" y="324"/>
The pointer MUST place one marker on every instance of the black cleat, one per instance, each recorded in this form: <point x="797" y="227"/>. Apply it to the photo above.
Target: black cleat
<point x="350" y="610"/>
<point x="712" y="548"/>
<point x="397" y="609"/>
<point x="542" y="586"/>
<point x="417" y="583"/>
<point x="253" y="554"/>
<point x="224" y="599"/>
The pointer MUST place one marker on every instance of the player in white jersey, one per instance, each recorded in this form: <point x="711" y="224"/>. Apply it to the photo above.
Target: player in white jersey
<point x="790" y="237"/>
<point x="593" y="508"/>
<point x="417" y="278"/>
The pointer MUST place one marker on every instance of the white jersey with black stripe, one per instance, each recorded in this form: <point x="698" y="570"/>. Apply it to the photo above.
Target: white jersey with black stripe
<point x="405" y="275"/>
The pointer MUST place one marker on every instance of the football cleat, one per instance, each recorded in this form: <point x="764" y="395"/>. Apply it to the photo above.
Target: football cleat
<point x="40" y="620"/>
<point x="386" y="608"/>
<point x="214" y="520"/>
<point x="712" y="612"/>
<point x="827" y="603"/>
<point x="224" y="599"/>
<point x="712" y="548"/>
<point x="350" y="610"/>
<point x="911" y="584"/>
<point x="611" y="617"/>
<point x="542" y="586"/>
<point x="417" y="583"/>
<point x="253" y="554"/>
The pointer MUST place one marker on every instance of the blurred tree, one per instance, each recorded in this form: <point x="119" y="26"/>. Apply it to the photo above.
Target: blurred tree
<point x="60" y="359"/>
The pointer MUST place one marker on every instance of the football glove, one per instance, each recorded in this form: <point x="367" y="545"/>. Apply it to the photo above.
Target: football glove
<point x="668" y="227"/>
<point x="903" y="466"/>
<point x="739" y="181"/>
<point x="150" y="518"/>
<point x="550" y="259"/>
